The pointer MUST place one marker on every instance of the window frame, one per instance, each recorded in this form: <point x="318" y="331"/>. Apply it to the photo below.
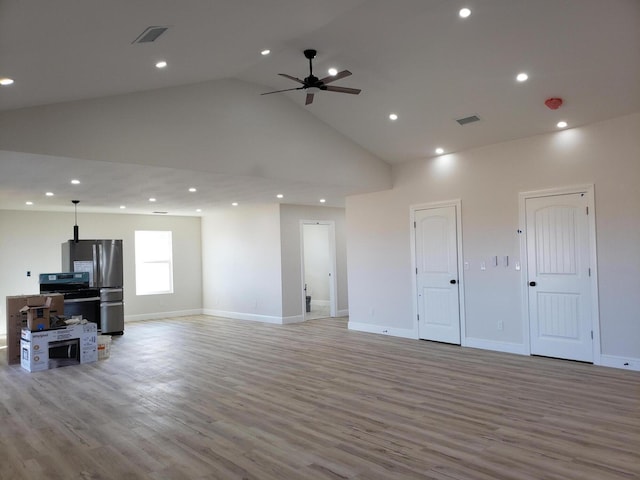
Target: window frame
<point x="141" y="263"/>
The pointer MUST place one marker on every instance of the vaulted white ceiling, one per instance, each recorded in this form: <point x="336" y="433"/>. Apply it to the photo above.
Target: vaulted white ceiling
<point x="415" y="58"/>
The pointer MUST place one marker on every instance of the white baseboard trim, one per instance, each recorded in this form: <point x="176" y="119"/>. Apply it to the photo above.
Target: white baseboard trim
<point x="381" y="329"/>
<point x="157" y="315"/>
<point x="506" y="347"/>
<point x="252" y="317"/>
<point x="626" y="363"/>
<point x="342" y="313"/>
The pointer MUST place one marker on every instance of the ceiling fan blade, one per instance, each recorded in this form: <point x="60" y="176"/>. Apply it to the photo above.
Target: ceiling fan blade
<point x="295" y="79"/>
<point x="309" y="99"/>
<point x="354" y="91"/>
<point x="337" y="76"/>
<point x="285" y="90"/>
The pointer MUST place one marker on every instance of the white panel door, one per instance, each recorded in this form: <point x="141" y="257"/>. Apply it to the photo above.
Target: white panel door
<point x="560" y="318"/>
<point x="437" y="274"/>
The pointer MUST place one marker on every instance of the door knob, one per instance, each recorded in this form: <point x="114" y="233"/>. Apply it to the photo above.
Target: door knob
<point x="532" y="284"/>
<point x="452" y="282"/>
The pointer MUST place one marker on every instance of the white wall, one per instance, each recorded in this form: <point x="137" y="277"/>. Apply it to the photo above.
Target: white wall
<point x="31" y="241"/>
<point x="487" y="181"/>
<point x="290" y="217"/>
<point x="222" y="126"/>
<point x="252" y="261"/>
<point x="317" y="262"/>
<point x="241" y="263"/>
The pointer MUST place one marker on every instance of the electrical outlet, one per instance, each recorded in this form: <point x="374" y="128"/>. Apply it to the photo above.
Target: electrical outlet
<point x="500" y="325"/>
<point x="483" y="266"/>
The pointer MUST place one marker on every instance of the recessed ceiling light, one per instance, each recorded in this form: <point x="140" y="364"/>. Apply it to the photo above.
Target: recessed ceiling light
<point x="322" y="200"/>
<point x="6" y="81"/>
<point x="439" y="151"/>
<point x="28" y="203"/>
<point x="161" y="64"/>
<point x="193" y="189"/>
<point x="333" y="72"/>
<point x="234" y="204"/>
<point x="75" y="182"/>
<point x="49" y="194"/>
<point x="393" y="116"/>
<point x="280" y="195"/>
<point x="562" y="124"/>
<point x="464" y="12"/>
<point x="266" y="51"/>
<point x="522" y="77"/>
<point x="198" y="210"/>
<point x="152" y="199"/>
<point x="122" y="207"/>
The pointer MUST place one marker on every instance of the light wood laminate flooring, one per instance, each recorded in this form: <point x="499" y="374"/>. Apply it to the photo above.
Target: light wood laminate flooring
<point x="209" y="398"/>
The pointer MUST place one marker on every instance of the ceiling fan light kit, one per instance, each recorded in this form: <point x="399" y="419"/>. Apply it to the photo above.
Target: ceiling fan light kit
<point x="313" y="84"/>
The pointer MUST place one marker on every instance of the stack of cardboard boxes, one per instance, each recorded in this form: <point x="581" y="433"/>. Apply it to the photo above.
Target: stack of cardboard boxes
<point x="32" y="343"/>
<point x="17" y="318"/>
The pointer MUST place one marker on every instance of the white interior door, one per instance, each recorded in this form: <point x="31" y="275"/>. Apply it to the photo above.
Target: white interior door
<point x="559" y="284"/>
<point x="437" y="274"/>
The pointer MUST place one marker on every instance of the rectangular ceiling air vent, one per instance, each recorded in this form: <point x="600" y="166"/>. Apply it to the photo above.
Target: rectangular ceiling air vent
<point x="150" y="34"/>
<point x="160" y="213"/>
<point x="467" y="120"/>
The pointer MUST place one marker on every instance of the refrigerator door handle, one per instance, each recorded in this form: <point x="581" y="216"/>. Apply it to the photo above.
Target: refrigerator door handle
<point x="100" y="282"/>
<point x="94" y="280"/>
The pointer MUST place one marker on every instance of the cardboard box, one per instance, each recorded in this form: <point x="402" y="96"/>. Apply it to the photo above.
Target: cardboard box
<point x="36" y="300"/>
<point x="17" y="320"/>
<point x="37" y="315"/>
<point x="72" y="345"/>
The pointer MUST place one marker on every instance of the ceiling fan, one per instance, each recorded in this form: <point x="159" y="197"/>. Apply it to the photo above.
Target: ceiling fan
<point x="312" y="83"/>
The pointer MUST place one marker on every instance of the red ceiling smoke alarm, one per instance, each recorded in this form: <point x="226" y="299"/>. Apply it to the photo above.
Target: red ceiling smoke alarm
<point x="553" y="103"/>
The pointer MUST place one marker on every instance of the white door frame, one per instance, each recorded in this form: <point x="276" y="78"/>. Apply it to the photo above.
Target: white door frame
<point x="414" y="286"/>
<point x="333" y="307"/>
<point x="588" y="190"/>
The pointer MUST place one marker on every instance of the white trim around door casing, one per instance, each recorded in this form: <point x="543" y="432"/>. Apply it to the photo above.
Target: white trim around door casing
<point x="588" y="190"/>
<point x="333" y="300"/>
<point x="457" y="204"/>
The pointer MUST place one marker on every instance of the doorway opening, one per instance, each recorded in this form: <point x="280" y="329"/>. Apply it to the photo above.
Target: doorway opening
<point x="318" y="269"/>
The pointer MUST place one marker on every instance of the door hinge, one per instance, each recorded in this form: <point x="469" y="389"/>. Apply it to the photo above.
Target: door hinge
<point x="589" y="271"/>
<point x="591" y="334"/>
<point x="414" y="225"/>
<point x="416" y="270"/>
<point x="587" y="210"/>
<point x="418" y="317"/>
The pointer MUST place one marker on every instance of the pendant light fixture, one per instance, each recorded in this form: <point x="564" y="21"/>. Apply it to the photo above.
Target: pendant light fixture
<point x="75" y="226"/>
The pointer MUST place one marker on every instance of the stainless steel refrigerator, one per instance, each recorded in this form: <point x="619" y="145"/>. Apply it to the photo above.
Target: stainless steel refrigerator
<point x="103" y="260"/>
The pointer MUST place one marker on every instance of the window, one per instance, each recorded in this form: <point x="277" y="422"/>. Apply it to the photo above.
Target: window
<point x="154" y="262"/>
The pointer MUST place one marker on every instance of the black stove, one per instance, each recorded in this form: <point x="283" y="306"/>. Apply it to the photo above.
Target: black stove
<point x="79" y="297"/>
